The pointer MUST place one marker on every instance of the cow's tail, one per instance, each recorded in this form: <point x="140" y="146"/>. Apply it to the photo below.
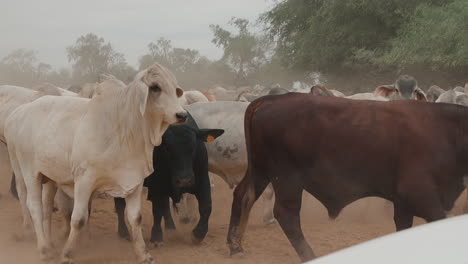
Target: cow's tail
<point x="250" y="195"/>
<point x="13" y="189"/>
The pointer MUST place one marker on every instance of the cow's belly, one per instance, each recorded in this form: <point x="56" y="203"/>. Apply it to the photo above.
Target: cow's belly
<point x="55" y="170"/>
<point x="337" y="186"/>
<point x="231" y="173"/>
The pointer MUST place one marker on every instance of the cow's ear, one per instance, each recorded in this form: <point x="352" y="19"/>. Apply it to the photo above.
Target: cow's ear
<point x="209" y="135"/>
<point x="385" y="90"/>
<point x="179" y="92"/>
<point x="319" y="90"/>
<point x="420" y="95"/>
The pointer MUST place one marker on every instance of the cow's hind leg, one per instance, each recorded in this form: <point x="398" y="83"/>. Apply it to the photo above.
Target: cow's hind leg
<point x="18" y="184"/>
<point x="65" y="207"/>
<point x="287" y="212"/>
<point x="34" y="202"/>
<point x="120" y="205"/>
<point x="22" y="195"/>
<point x="48" y="193"/>
<point x="245" y="195"/>
<point x="168" y="220"/>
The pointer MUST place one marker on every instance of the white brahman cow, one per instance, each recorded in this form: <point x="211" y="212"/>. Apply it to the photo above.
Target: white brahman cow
<point x="103" y="144"/>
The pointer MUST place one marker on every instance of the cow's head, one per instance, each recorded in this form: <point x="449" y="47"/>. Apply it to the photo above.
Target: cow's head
<point x="178" y="148"/>
<point x="157" y="94"/>
<point x="405" y="87"/>
<point x="320" y="90"/>
<point x="434" y="92"/>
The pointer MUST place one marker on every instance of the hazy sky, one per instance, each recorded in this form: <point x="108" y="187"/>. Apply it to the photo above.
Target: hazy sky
<point x="48" y="26"/>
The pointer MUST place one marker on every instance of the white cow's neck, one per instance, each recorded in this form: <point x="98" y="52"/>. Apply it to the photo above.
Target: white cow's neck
<point x="128" y="130"/>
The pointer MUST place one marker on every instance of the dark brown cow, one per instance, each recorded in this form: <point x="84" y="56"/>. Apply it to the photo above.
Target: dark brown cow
<point x="341" y="150"/>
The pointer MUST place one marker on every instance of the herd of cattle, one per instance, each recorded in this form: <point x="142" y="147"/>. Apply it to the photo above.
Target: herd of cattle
<point x="65" y="148"/>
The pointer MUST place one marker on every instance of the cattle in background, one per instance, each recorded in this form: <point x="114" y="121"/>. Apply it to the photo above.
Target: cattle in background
<point x="405" y="87"/>
<point x="433" y="93"/>
<point x="180" y="166"/>
<point x="227" y="156"/>
<point x="367" y="96"/>
<point x="453" y="97"/>
<point x="342" y="150"/>
<point x="209" y="95"/>
<point x="459" y="98"/>
<point x="191" y="97"/>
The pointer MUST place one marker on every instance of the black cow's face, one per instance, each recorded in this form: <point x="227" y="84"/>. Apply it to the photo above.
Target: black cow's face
<point x="179" y="149"/>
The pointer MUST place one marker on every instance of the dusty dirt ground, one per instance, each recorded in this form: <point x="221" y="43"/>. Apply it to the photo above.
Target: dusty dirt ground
<point x="361" y="221"/>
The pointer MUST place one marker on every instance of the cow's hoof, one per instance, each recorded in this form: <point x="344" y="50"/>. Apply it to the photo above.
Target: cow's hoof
<point x="47" y="255"/>
<point x="238" y="255"/>
<point x="124" y="235"/>
<point x="196" y="240"/>
<point x="149" y="260"/>
<point x="157" y="244"/>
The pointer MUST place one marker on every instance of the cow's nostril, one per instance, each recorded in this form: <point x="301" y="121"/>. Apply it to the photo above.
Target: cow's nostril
<point x="181" y="116"/>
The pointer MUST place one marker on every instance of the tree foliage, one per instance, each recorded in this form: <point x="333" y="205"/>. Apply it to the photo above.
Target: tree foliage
<point x="91" y="56"/>
<point x="21" y="67"/>
<point x="193" y="71"/>
<point x="330" y="34"/>
<point x="436" y="36"/>
<point x="244" y="51"/>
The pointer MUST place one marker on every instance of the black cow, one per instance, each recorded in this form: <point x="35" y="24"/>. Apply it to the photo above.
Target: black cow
<point x="180" y="166"/>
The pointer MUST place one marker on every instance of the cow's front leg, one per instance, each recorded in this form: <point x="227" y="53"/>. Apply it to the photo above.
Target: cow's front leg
<point x="168" y="220"/>
<point x="135" y="220"/>
<point x="160" y="204"/>
<point x="82" y="192"/>
<point x="120" y="204"/>
<point x="203" y="195"/>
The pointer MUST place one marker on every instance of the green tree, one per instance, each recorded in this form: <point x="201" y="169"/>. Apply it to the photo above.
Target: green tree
<point x="244" y="51"/>
<point x="193" y="71"/>
<point x="331" y="34"/>
<point x="91" y="56"/>
<point x="177" y="59"/>
<point x="436" y="36"/>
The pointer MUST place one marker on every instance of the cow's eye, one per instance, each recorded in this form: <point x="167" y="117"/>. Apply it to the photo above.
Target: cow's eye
<point x="155" y="88"/>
